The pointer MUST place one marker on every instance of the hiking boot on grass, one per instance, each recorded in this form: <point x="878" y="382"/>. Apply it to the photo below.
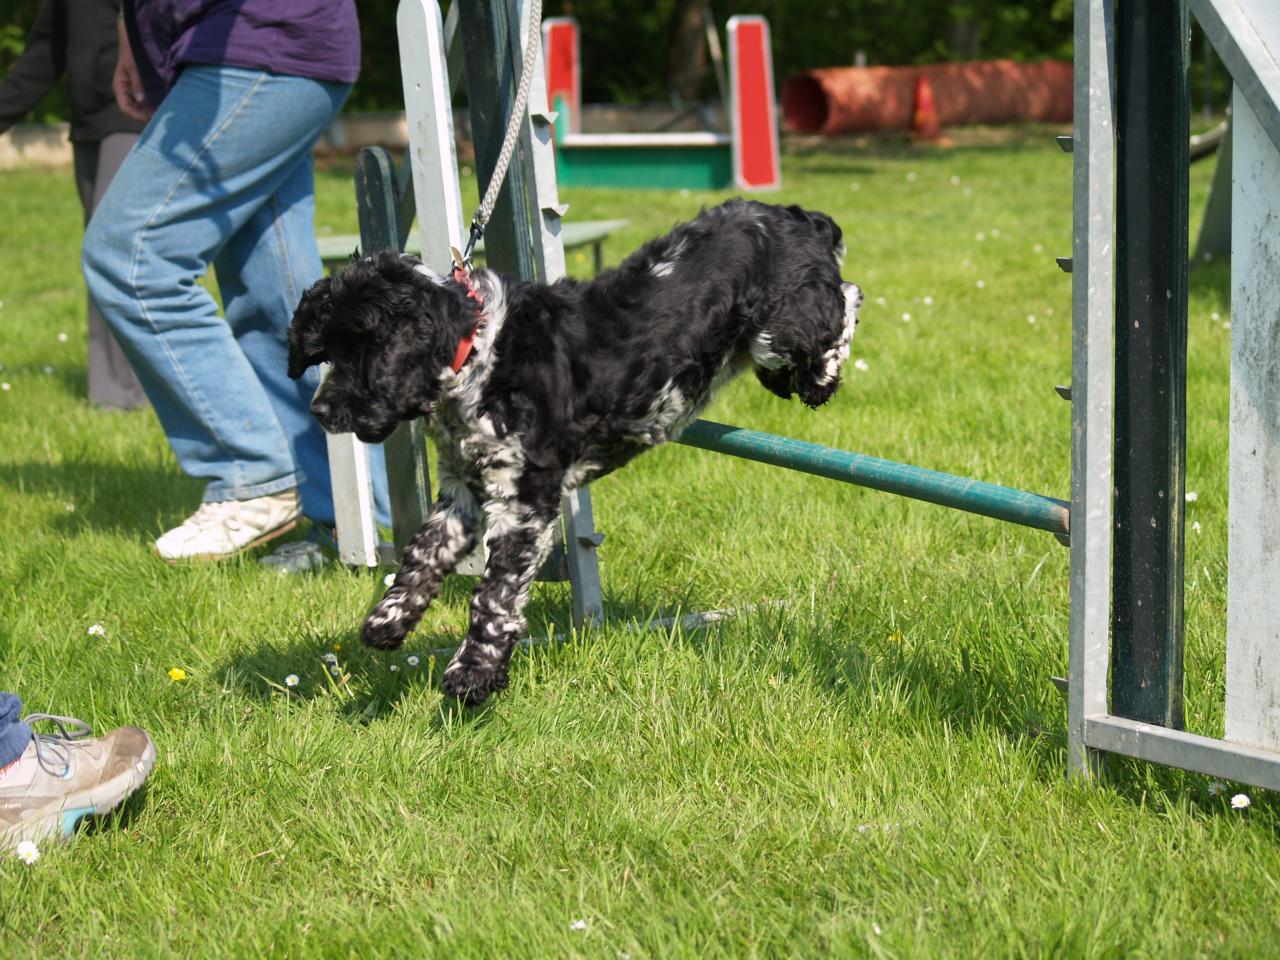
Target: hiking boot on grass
<point x="65" y="776"/>
<point x="223" y="528"/>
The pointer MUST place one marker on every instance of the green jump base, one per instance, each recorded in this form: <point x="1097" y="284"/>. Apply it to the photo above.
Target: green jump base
<point x="645" y="167"/>
<point x="919" y="483"/>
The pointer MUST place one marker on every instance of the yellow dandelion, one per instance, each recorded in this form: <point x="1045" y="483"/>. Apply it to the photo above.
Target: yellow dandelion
<point x="177" y="674"/>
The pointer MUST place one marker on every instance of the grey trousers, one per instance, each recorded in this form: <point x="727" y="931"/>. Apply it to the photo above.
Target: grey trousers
<point x="112" y="382"/>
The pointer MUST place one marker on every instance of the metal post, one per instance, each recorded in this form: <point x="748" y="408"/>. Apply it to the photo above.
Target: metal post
<point x="1092" y="317"/>
<point x="1253" y="562"/>
<point x="1151" y="319"/>
<point x="488" y="42"/>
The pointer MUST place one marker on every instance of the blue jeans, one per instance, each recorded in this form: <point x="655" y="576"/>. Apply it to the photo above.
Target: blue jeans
<point x="14" y="734"/>
<point x="222" y="176"/>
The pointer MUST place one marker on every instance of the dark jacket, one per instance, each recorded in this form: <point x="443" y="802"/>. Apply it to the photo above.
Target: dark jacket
<point x="78" y="38"/>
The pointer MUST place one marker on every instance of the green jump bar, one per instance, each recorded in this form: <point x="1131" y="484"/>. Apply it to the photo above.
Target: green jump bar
<point x="961" y="493"/>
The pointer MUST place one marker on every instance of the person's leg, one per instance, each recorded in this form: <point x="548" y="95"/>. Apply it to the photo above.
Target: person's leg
<point x="221" y="144"/>
<point x="112" y="382"/>
<point x="84" y="159"/>
<point x="262" y="273"/>
<point x="14" y="734"/>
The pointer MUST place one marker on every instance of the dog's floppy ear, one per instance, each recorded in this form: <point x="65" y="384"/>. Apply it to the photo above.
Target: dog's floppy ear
<point x="306" y="346"/>
<point x="826" y="228"/>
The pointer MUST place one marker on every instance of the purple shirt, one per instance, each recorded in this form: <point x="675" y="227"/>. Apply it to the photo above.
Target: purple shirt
<point x="319" y="39"/>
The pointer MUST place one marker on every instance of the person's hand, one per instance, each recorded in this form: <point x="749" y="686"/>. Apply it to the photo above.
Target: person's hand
<point x="126" y="83"/>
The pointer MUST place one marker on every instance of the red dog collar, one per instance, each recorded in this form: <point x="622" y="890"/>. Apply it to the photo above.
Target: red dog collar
<point x="467" y="343"/>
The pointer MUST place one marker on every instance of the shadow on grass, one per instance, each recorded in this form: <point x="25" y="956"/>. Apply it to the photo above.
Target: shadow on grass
<point x="105" y="497"/>
<point x="971" y="692"/>
<point x="371" y="683"/>
<point x="118" y="819"/>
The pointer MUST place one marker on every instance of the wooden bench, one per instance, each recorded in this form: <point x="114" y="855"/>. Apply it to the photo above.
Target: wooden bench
<point x="336" y="250"/>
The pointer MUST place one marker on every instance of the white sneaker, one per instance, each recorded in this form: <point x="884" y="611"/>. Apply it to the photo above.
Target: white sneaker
<point x="224" y="528"/>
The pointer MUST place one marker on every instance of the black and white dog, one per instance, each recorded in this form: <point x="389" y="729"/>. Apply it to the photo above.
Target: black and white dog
<point x="532" y="390"/>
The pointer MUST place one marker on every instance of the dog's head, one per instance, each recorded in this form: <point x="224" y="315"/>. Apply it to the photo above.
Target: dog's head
<point x="388" y="330"/>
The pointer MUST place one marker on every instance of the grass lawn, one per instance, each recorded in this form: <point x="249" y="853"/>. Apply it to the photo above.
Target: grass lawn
<point x="873" y="767"/>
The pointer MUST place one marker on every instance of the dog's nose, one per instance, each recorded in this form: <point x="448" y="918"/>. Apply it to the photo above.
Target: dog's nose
<point x="319" y="409"/>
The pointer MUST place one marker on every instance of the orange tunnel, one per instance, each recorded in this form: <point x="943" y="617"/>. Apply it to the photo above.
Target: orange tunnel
<point x="863" y="99"/>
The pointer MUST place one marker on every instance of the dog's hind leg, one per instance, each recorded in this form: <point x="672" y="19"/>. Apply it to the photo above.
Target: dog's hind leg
<point x="448" y="535"/>
<point x="519" y="537"/>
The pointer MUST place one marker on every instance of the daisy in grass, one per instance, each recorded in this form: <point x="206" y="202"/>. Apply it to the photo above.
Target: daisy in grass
<point x="1240" y="801"/>
<point x="861" y="364"/>
<point x="97" y="630"/>
<point x="412" y="660"/>
<point x="1216" y="789"/>
<point x="28" y="852"/>
<point x="177" y="674"/>
<point x="389" y="579"/>
<point x="578" y="925"/>
<point x="291" y="680"/>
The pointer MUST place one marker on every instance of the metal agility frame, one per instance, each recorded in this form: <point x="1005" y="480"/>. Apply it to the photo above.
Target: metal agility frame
<point x="1129" y="279"/>
<point x="1129" y="387"/>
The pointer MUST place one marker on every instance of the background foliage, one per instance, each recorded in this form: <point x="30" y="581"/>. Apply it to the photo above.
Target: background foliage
<point x="806" y="33"/>
<point x="625" y="42"/>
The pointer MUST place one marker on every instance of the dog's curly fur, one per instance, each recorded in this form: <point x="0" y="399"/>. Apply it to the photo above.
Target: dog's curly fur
<point x="566" y="382"/>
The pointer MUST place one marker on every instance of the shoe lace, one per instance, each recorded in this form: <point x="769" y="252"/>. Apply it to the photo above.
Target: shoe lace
<point x="54" y="749"/>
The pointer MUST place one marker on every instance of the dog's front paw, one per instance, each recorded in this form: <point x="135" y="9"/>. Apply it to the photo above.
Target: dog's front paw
<point x="473" y="684"/>
<point x="816" y="394"/>
<point x="386" y="627"/>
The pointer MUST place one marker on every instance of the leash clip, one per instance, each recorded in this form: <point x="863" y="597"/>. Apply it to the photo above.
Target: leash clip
<point x="462" y="261"/>
<point x="461" y="264"/>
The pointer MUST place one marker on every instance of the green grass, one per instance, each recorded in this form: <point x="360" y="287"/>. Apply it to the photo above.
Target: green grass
<point x="874" y="769"/>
